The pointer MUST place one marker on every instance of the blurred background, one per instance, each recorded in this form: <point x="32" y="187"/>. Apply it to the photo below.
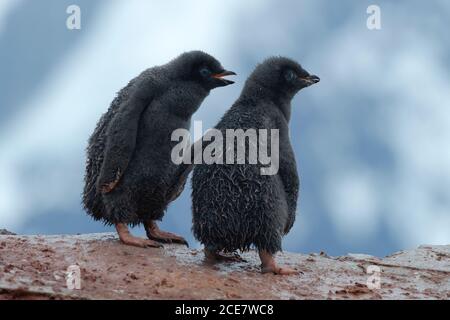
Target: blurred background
<point x="371" y="139"/>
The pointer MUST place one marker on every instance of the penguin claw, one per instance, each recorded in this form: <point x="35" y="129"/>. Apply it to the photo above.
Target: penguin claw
<point x="127" y="238"/>
<point x="173" y="240"/>
<point x="154" y="245"/>
<point x="165" y="237"/>
<point x="185" y="243"/>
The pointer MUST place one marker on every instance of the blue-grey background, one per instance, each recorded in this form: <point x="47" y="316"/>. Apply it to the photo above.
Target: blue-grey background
<point x="372" y="139"/>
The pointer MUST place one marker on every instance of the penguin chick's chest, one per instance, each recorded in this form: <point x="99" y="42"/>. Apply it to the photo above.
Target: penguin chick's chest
<point x="154" y="144"/>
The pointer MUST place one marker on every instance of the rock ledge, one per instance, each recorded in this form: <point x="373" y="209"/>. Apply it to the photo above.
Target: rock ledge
<point x="35" y="267"/>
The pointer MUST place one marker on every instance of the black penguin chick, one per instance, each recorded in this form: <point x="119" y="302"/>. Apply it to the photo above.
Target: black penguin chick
<point x="234" y="205"/>
<point x="130" y="178"/>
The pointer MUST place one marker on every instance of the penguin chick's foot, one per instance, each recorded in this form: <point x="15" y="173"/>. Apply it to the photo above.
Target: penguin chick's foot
<point x="127" y="238"/>
<point x="268" y="265"/>
<point x="215" y="256"/>
<point x="154" y="233"/>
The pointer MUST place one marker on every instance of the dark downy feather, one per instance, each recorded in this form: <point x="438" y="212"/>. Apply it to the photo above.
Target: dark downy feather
<point x="130" y="177"/>
<point x="234" y="206"/>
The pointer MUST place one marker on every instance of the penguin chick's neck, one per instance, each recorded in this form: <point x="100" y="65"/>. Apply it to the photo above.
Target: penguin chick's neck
<point x="256" y="93"/>
<point x="191" y="98"/>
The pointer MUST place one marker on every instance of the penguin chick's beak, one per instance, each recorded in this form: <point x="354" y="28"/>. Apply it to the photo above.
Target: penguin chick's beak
<point x="222" y="74"/>
<point x="310" y="80"/>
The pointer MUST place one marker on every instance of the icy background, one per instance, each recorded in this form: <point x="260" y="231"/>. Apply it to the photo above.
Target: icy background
<point x="372" y="139"/>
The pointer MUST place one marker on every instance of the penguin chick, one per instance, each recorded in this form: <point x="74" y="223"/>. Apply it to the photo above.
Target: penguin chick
<point x="130" y="178"/>
<point x="234" y="205"/>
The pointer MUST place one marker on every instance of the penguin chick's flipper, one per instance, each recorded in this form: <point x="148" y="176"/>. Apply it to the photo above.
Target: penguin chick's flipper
<point x="180" y="181"/>
<point x="268" y="265"/>
<point x="127" y="238"/>
<point x="216" y="256"/>
<point x="121" y="137"/>
<point x="154" y="233"/>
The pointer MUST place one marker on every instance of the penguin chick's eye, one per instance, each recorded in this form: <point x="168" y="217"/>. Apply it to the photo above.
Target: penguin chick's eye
<point x="205" y="72"/>
<point x="290" y="75"/>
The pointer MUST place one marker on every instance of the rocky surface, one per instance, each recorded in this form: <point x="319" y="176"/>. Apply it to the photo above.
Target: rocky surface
<point x="35" y="267"/>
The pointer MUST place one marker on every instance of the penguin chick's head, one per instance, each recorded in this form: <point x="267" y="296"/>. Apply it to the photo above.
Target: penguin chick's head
<point x="202" y="68"/>
<point x="281" y="76"/>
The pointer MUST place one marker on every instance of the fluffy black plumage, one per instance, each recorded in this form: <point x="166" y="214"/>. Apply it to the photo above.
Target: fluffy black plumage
<point x="130" y="177"/>
<point x="234" y="206"/>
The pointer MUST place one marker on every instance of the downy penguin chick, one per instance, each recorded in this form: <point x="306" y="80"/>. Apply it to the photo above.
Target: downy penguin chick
<point x="130" y="178"/>
<point x="235" y="206"/>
